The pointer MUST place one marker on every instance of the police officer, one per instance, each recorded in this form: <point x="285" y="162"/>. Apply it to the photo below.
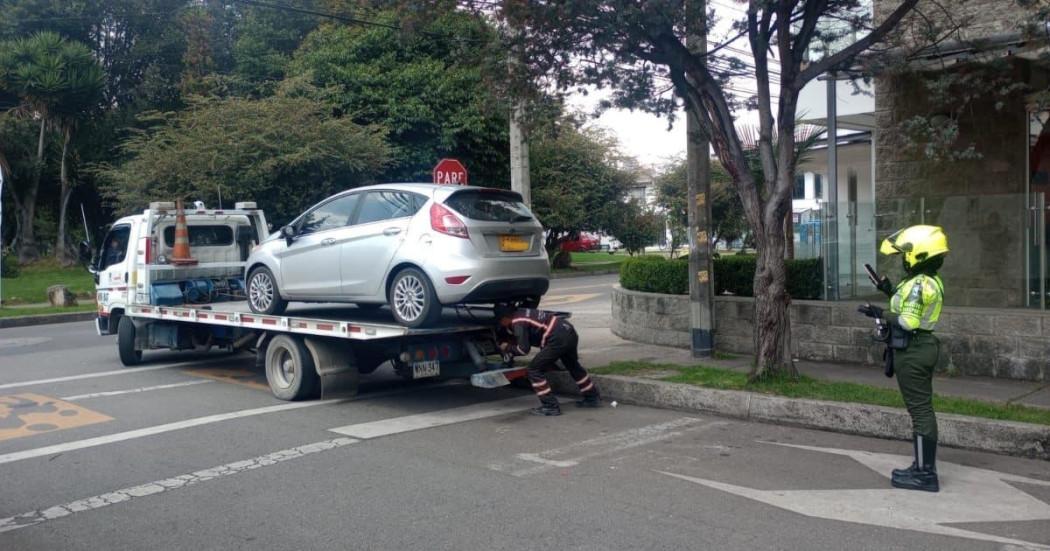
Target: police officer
<point x="557" y="340"/>
<point x="915" y="307"/>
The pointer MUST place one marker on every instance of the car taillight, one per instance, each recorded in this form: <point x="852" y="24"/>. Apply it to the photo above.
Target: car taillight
<point x="444" y="221"/>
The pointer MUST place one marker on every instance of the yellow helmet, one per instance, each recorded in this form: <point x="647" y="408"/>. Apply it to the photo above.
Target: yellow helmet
<point x="916" y="243"/>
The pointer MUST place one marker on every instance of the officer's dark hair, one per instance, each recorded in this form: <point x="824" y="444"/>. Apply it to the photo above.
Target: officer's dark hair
<point x="930" y="266"/>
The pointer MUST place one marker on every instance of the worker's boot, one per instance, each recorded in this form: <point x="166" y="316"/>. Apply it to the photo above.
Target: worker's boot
<point x="916" y="449"/>
<point x="590" y="400"/>
<point x="924" y="476"/>
<point x="548" y="407"/>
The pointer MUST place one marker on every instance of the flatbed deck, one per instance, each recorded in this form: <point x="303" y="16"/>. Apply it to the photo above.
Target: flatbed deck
<point x="328" y="320"/>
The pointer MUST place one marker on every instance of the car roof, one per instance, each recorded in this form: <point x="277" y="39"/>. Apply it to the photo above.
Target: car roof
<point x="423" y="188"/>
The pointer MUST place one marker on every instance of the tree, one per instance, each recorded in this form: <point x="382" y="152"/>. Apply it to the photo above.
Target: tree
<point x="636" y="226"/>
<point x="426" y="85"/>
<point x="576" y="184"/>
<point x="56" y="81"/>
<point x="727" y="214"/>
<point x="640" y="49"/>
<point x="285" y="152"/>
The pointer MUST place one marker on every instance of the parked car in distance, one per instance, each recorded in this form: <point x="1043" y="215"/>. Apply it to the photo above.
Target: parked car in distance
<point x="584" y="243"/>
<point x="416" y="247"/>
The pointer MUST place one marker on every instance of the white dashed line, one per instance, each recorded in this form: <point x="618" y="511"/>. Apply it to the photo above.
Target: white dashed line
<point x="115" y="372"/>
<point x="433" y="419"/>
<point x="134" y="390"/>
<point x="100" y="501"/>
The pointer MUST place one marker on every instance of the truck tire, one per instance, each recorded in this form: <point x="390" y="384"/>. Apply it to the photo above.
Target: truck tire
<point x="290" y="369"/>
<point x="129" y="356"/>
<point x="413" y="300"/>
<point x="263" y="295"/>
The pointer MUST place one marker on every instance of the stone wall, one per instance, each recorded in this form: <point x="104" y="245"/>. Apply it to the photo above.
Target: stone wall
<point x="1006" y="343"/>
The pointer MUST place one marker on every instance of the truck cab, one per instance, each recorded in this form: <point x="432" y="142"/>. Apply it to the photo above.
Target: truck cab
<point x="134" y="263"/>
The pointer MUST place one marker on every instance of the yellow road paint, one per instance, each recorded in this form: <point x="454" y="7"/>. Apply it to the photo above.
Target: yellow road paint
<point x="28" y="414"/>
<point x="558" y="300"/>
<point x="243" y="377"/>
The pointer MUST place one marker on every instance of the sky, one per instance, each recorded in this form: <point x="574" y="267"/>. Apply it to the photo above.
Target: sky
<point x="646" y="136"/>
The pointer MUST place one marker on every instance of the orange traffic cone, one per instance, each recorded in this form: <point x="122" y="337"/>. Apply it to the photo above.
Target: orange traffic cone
<point x="180" y="255"/>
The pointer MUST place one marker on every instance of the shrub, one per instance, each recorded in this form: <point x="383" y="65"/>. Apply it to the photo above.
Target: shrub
<point x="734" y="274"/>
<point x="9" y="264"/>
<point x="654" y="274"/>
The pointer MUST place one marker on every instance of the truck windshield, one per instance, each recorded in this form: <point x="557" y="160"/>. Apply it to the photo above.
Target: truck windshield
<point x="490" y="206"/>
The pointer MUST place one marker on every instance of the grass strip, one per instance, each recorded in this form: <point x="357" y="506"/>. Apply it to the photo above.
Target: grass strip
<point x="10" y="312"/>
<point x="832" y="391"/>
<point x="31" y="285"/>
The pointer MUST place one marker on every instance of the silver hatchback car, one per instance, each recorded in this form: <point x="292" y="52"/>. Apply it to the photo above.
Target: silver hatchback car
<point x="415" y="247"/>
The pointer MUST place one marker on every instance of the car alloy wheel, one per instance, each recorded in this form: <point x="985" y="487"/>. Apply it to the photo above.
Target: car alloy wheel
<point x="260" y="291"/>
<point x="409" y="297"/>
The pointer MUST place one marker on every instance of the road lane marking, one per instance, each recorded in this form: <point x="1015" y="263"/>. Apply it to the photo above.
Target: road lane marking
<point x="408" y="423"/>
<point x="134" y="390"/>
<point x="115" y="372"/>
<point x="527" y="464"/>
<point x="968" y="496"/>
<point x="244" y="377"/>
<point x="560" y="300"/>
<point x="29" y="414"/>
<point x="158" y="429"/>
<point x="100" y="501"/>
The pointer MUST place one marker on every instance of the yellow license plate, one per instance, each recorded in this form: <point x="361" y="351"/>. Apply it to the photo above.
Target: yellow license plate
<point x="513" y="243"/>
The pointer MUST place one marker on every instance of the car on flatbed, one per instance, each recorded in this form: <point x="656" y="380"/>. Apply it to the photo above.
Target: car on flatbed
<point x="414" y="247"/>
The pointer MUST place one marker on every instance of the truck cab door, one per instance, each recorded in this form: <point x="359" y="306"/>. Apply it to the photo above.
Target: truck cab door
<point x="112" y="273"/>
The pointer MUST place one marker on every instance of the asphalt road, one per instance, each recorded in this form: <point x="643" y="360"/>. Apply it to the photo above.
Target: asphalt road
<point x="194" y="453"/>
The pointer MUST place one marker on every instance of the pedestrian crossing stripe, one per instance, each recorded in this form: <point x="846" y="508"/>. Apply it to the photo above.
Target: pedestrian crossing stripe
<point x="28" y="414"/>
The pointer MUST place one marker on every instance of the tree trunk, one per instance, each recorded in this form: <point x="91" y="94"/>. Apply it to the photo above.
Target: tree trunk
<point x="789" y="234"/>
<point x="772" y="320"/>
<point x="28" y="251"/>
<point x="61" y="250"/>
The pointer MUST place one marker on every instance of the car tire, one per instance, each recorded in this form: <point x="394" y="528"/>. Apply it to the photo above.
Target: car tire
<point x="129" y="356"/>
<point x="413" y="300"/>
<point x="290" y="369"/>
<point x="263" y="295"/>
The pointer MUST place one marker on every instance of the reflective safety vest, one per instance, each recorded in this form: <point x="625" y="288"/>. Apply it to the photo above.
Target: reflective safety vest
<point x="917" y="302"/>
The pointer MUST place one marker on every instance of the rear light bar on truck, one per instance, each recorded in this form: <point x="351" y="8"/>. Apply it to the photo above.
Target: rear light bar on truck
<point x="445" y="221"/>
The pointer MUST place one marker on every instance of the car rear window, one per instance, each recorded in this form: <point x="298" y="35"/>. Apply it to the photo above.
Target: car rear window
<point x="490" y="206"/>
<point x="202" y="236"/>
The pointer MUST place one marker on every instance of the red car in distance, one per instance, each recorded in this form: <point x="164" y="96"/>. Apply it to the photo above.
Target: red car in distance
<point x="585" y="243"/>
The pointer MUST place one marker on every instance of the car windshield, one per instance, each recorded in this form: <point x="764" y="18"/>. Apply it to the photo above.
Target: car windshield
<point x="490" y="206"/>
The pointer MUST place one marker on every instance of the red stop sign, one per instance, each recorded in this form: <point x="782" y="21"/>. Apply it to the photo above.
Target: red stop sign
<point x="450" y="171"/>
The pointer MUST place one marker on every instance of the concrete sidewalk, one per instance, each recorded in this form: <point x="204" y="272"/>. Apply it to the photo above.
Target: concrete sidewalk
<point x="599" y="347"/>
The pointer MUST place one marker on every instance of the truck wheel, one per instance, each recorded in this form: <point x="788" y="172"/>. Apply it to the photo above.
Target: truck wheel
<point x="263" y="296"/>
<point x="129" y="356"/>
<point x="412" y="299"/>
<point x="290" y="369"/>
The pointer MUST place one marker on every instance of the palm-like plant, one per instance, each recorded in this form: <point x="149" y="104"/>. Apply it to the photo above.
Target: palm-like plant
<point x="56" y="82"/>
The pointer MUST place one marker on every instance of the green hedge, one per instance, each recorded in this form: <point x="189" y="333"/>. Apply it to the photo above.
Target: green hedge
<point x="734" y="275"/>
<point x="655" y="274"/>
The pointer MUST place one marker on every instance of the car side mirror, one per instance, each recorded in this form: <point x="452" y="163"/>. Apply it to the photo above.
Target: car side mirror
<point x="288" y="233"/>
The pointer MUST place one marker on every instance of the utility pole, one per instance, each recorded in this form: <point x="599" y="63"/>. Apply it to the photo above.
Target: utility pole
<point x="519" y="156"/>
<point x="698" y="176"/>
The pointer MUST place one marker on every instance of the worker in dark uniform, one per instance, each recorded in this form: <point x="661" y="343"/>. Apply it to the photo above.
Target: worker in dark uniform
<point x="557" y="340"/>
<point x="913" y="350"/>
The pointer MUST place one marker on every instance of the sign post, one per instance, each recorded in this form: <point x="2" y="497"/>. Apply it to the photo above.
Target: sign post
<point x="450" y="171"/>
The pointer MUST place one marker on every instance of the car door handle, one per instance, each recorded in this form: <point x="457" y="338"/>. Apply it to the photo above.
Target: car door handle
<point x="392" y="231"/>
<point x="327" y="242"/>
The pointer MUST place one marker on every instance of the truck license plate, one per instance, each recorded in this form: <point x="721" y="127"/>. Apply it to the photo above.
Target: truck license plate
<point x="429" y="368"/>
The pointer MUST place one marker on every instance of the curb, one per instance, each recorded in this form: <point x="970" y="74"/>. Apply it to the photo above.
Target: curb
<point x="567" y="275"/>
<point x="46" y="319"/>
<point x="957" y="431"/>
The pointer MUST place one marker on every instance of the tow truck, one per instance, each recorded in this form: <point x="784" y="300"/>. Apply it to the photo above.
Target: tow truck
<point x="152" y="300"/>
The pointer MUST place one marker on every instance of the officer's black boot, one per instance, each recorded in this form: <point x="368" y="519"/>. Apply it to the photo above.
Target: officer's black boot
<point x="924" y="477"/>
<point x="548" y="406"/>
<point x="590" y="400"/>
<point x="915" y="450"/>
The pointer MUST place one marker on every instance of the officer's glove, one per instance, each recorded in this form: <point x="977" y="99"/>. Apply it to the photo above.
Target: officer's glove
<point x="870" y="311"/>
<point x="885" y="286"/>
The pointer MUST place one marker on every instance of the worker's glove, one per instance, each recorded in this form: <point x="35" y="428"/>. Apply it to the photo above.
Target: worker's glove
<point x="885" y="286"/>
<point x="871" y="311"/>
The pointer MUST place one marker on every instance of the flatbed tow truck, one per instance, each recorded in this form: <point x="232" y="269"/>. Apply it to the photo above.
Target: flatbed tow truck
<point x="153" y="302"/>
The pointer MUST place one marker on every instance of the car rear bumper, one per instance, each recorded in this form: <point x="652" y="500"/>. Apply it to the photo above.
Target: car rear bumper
<point x="508" y="289"/>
